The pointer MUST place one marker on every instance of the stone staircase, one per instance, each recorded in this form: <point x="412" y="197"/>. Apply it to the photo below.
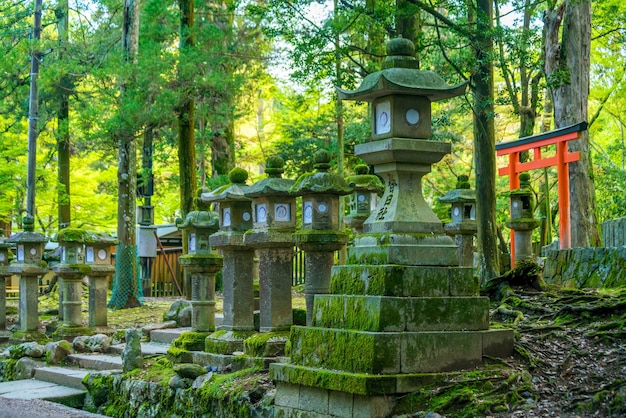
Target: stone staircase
<point x="63" y="384"/>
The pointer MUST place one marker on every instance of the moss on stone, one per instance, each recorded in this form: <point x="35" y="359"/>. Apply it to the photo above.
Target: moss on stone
<point x="190" y="341"/>
<point x="74" y="235"/>
<point x="266" y="344"/>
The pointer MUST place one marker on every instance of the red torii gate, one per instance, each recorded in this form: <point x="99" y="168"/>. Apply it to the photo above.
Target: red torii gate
<point x="563" y="157"/>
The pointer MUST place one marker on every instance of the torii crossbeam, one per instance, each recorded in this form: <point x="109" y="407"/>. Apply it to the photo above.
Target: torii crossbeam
<point x="560" y="138"/>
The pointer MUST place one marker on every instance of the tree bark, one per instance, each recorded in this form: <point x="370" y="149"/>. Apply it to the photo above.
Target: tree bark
<point x="126" y="281"/>
<point x="567" y="63"/>
<point x="63" y="119"/>
<point x="484" y="144"/>
<point x="186" y="137"/>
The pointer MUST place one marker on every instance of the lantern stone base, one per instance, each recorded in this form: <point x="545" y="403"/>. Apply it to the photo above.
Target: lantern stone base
<point x="69" y="332"/>
<point x="226" y="342"/>
<point x="405" y="249"/>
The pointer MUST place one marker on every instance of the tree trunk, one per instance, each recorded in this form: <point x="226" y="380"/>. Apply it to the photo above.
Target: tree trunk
<point x="222" y="150"/>
<point x="484" y="145"/>
<point x="186" y="138"/>
<point x="63" y="119"/>
<point x="126" y="281"/>
<point x="567" y="62"/>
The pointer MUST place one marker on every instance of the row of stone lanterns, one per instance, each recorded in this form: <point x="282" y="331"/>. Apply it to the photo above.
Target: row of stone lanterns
<point x="82" y="254"/>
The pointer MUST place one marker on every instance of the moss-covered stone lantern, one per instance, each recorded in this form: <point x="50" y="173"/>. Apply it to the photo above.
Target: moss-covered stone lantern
<point x="366" y="188"/>
<point x="463" y="225"/>
<point x="98" y="257"/>
<point x="522" y="220"/>
<point x="274" y="222"/>
<point x="401" y="310"/>
<point x="29" y="266"/>
<point x="5" y="253"/>
<point x="238" y="272"/>
<point x="72" y="270"/>
<point x="202" y="264"/>
<point x="320" y="235"/>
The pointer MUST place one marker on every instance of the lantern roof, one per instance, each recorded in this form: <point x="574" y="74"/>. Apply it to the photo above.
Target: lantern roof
<point x="29" y="234"/>
<point x="459" y="196"/>
<point x="401" y="75"/>
<point x="321" y="181"/>
<point x="199" y="219"/>
<point x="364" y="181"/>
<point x="234" y="191"/>
<point x="273" y="184"/>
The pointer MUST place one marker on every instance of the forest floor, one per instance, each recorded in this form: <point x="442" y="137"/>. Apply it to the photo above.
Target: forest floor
<point x="570" y="358"/>
<point x="573" y="345"/>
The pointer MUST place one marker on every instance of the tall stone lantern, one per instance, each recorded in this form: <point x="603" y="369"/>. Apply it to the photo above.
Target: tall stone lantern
<point x="202" y="264"/>
<point x="72" y="270"/>
<point x="364" y="197"/>
<point x="5" y="250"/>
<point x="321" y="234"/>
<point x="522" y="219"/>
<point x="235" y="212"/>
<point x="273" y="224"/>
<point x="402" y="310"/>
<point x="29" y="266"/>
<point x="463" y="225"/>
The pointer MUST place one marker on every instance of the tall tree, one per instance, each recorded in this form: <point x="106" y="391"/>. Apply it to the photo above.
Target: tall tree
<point x="484" y="143"/>
<point x="567" y="25"/>
<point x="63" y="121"/>
<point x="126" y="281"/>
<point x="186" y="137"/>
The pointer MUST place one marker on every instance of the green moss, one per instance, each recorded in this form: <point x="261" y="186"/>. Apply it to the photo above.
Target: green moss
<point x="266" y="344"/>
<point x="190" y="341"/>
<point x="74" y="235"/>
<point x="70" y="331"/>
<point x="299" y="316"/>
<point x="238" y="175"/>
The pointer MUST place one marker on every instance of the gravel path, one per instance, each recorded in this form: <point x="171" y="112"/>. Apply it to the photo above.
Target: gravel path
<point x="35" y="408"/>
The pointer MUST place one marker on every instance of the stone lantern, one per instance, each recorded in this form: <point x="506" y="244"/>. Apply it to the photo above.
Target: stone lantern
<point x="98" y="257"/>
<point x="202" y="264"/>
<point x="29" y="266"/>
<point x="235" y="213"/>
<point x="363" y="198"/>
<point x="463" y="223"/>
<point x="273" y="224"/>
<point x="522" y="219"/>
<point x="320" y="235"/>
<point x="72" y="270"/>
<point x="5" y="249"/>
<point x="401" y="311"/>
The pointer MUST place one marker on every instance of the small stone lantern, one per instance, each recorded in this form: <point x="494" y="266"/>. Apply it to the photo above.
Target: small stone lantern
<point x="29" y="265"/>
<point x="202" y="265"/>
<point x="320" y="236"/>
<point x="98" y="257"/>
<point x="463" y="226"/>
<point x="274" y="222"/>
<point x="72" y="270"/>
<point x="4" y="273"/>
<point x="522" y="219"/>
<point x="364" y="197"/>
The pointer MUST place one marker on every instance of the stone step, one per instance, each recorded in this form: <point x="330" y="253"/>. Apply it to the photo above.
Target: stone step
<point x="166" y="336"/>
<point x="99" y="362"/>
<point x="64" y="376"/>
<point x="147" y="349"/>
<point x="37" y="389"/>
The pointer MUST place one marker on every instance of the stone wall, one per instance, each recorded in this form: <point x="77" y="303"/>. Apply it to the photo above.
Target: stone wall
<point x="586" y="267"/>
<point x="614" y="233"/>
